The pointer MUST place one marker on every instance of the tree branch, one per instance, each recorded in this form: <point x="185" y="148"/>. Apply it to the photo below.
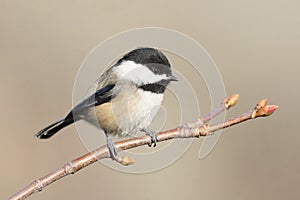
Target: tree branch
<point x="195" y="128"/>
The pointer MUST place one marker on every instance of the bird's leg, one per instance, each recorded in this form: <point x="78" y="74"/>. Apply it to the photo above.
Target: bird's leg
<point x="153" y="136"/>
<point x="111" y="147"/>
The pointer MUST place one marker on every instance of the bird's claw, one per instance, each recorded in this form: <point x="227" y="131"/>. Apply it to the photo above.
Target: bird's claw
<point x="153" y="136"/>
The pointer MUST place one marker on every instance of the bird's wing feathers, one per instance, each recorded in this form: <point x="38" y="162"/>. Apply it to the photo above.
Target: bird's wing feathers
<point x="99" y="97"/>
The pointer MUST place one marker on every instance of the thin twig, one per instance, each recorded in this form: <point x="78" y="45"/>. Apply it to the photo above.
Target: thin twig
<point x="191" y="130"/>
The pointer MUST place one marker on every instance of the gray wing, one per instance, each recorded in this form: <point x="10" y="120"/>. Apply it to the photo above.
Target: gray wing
<point x="101" y="92"/>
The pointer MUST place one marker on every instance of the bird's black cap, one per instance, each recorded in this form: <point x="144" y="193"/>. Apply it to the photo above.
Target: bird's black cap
<point x="144" y="56"/>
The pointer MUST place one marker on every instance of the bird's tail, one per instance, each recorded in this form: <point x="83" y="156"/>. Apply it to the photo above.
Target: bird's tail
<point x="54" y="128"/>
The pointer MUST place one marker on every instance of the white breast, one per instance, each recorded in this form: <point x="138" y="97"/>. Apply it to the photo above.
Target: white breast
<point x="136" y="111"/>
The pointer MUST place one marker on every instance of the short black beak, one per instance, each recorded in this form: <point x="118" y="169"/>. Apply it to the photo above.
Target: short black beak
<point x="172" y="78"/>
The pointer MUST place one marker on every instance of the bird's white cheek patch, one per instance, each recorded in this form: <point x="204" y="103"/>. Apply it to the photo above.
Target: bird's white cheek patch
<point x="137" y="73"/>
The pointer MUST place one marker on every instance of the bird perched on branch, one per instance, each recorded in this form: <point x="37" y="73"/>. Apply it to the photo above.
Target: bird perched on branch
<point x="127" y="97"/>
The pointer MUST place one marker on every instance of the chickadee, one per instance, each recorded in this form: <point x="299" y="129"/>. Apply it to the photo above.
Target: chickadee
<point x="127" y="97"/>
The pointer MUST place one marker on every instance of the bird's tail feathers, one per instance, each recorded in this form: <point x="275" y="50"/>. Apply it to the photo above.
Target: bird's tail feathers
<point x="53" y="128"/>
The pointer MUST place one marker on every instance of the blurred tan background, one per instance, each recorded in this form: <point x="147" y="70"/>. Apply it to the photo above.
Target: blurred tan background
<point x="255" y="44"/>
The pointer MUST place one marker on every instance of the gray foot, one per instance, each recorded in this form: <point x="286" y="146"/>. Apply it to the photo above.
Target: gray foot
<point x="111" y="148"/>
<point x="153" y="136"/>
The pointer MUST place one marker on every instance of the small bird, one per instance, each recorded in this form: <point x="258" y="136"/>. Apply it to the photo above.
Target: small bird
<point x="126" y="99"/>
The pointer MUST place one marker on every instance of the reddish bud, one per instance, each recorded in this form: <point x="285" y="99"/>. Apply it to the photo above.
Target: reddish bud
<point x="267" y="110"/>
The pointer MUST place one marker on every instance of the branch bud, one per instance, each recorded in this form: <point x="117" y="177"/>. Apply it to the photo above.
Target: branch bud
<point x="127" y="160"/>
<point x="267" y="110"/>
<point x="261" y="104"/>
<point x="231" y="101"/>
